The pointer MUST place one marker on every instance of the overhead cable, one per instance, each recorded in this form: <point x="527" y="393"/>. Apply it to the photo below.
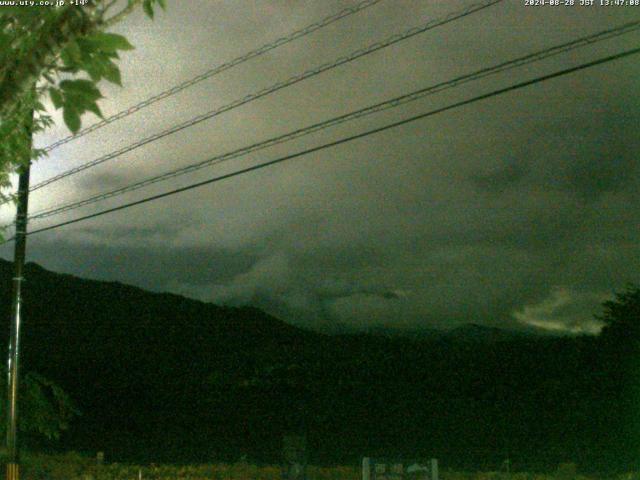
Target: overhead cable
<point x="217" y="70"/>
<point x="274" y="88"/>
<point x="343" y="140"/>
<point x="388" y="104"/>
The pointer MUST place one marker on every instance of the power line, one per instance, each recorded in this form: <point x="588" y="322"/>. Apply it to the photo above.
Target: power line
<point x="217" y="70"/>
<point x="392" y="103"/>
<point x="493" y="93"/>
<point x="276" y="87"/>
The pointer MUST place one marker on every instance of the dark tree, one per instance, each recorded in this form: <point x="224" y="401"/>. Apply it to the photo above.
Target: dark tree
<point x="618" y="375"/>
<point x="45" y="409"/>
<point x="622" y="319"/>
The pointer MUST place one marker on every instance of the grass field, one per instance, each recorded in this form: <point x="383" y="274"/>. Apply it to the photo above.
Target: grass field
<point x="76" y="467"/>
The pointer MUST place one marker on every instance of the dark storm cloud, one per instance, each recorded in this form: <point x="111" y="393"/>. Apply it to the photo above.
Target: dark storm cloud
<point x="597" y="155"/>
<point x="102" y="181"/>
<point x="501" y="178"/>
<point x="132" y="233"/>
<point x="158" y="268"/>
<point x="596" y="160"/>
<point x="607" y="165"/>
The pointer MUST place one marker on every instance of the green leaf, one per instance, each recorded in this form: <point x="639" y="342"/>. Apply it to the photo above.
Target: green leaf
<point x="108" y="42"/>
<point x="68" y="69"/>
<point x="71" y="55"/>
<point x="72" y="119"/>
<point x="46" y="121"/>
<point x="74" y="52"/>
<point x="95" y="109"/>
<point x="78" y="85"/>
<point x="148" y="9"/>
<point x="163" y="4"/>
<point x="38" y="153"/>
<point x="5" y="41"/>
<point x="94" y="71"/>
<point x="56" y="97"/>
<point x="112" y="73"/>
<point x="66" y="58"/>
<point x="87" y="48"/>
<point x="79" y="96"/>
<point x="78" y="103"/>
<point x="7" y="10"/>
<point x="81" y="88"/>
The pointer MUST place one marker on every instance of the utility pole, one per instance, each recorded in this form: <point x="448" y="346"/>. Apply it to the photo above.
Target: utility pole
<point x="13" y="379"/>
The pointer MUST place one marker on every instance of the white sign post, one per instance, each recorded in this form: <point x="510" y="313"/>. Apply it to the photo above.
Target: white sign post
<point x="434" y="469"/>
<point x="373" y="469"/>
<point x="366" y="468"/>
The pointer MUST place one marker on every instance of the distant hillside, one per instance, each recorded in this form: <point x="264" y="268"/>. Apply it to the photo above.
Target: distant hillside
<point x="163" y="378"/>
<point x="480" y="333"/>
<point x="136" y="360"/>
<point x="470" y="332"/>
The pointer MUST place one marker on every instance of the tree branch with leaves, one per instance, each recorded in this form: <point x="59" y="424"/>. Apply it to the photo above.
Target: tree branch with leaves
<point x="46" y="409"/>
<point x="61" y="53"/>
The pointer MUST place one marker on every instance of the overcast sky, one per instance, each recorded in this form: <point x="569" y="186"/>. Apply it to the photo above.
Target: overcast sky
<point x="521" y="210"/>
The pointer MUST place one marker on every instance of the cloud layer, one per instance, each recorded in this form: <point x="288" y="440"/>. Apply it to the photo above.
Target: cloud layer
<point x="520" y="210"/>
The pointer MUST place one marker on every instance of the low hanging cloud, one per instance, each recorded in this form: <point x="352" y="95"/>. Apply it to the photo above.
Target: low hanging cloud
<point x="280" y="286"/>
<point x="563" y="311"/>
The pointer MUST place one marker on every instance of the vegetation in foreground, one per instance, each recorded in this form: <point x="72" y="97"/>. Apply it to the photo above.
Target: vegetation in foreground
<point x="470" y="401"/>
<point x="73" y="466"/>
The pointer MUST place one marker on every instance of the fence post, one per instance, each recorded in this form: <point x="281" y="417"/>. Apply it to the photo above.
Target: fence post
<point x="434" y="469"/>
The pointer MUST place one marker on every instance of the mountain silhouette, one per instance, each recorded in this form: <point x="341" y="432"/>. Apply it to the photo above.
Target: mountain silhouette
<point x="162" y="378"/>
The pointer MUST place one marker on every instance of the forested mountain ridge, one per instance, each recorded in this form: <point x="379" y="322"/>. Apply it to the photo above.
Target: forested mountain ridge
<point x="159" y="377"/>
